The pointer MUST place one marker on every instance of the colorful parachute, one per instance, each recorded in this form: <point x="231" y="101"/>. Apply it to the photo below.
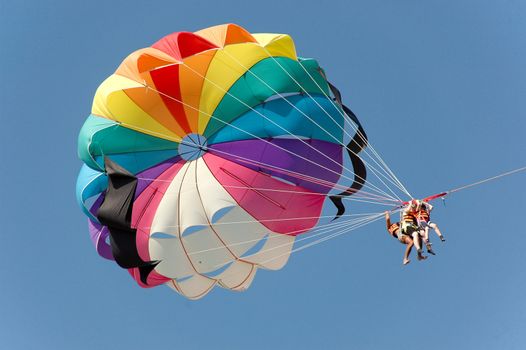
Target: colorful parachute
<point x="206" y="154"/>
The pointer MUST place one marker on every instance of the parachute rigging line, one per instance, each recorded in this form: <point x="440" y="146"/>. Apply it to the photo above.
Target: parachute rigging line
<point x="486" y="180"/>
<point x="358" y="139"/>
<point x="248" y="133"/>
<point x="388" y="170"/>
<point x="446" y="193"/>
<point x="344" y="114"/>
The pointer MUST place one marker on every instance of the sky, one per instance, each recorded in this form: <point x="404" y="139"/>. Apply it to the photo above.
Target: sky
<point x="440" y="87"/>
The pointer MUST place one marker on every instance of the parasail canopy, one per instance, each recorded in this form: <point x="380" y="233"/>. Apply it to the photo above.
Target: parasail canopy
<point x="207" y="154"/>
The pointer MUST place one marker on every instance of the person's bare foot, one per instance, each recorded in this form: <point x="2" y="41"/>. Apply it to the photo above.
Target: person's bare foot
<point x="406" y="261"/>
<point x="422" y="257"/>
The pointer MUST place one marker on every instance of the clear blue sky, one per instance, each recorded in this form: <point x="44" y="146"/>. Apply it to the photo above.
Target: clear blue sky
<point x="449" y="75"/>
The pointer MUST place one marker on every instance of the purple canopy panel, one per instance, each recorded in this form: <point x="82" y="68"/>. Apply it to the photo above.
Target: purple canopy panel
<point x="98" y="235"/>
<point x="146" y="177"/>
<point x="96" y="205"/>
<point x="312" y="164"/>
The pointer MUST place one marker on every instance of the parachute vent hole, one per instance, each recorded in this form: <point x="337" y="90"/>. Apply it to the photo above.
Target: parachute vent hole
<point x="292" y="137"/>
<point x="219" y="271"/>
<point x="161" y="235"/>
<point x="257" y="247"/>
<point x="282" y="95"/>
<point x="182" y="279"/>
<point x="220" y="213"/>
<point x="192" y="229"/>
<point x="192" y="147"/>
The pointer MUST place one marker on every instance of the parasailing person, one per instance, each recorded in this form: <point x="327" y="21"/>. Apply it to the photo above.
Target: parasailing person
<point x="395" y="231"/>
<point x="423" y="217"/>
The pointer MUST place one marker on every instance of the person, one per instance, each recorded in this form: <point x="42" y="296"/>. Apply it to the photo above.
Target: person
<point x="395" y="231"/>
<point x="410" y="224"/>
<point x="423" y="216"/>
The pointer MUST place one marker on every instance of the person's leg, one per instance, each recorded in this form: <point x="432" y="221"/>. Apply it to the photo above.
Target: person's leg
<point x="437" y="230"/>
<point x="418" y="243"/>
<point x="409" y="246"/>
<point x="425" y="234"/>
<point x="416" y="238"/>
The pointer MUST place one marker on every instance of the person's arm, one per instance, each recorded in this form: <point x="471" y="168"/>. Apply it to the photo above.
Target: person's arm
<point x="387" y="221"/>
<point x="429" y="207"/>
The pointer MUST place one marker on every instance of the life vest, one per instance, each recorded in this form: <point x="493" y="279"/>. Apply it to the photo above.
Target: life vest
<point x="408" y="218"/>
<point x="393" y="228"/>
<point x="423" y="215"/>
